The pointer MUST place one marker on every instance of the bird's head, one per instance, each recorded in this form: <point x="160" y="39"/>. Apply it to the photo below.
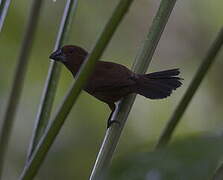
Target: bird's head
<point x="69" y="53"/>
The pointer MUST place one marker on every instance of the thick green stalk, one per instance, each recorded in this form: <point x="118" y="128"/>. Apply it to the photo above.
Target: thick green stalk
<point x="49" y="91"/>
<point x="141" y="64"/>
<point x="199" y="76"/>
<point x="54" y="127"/>
<point x="4" y="5"/>
<point x="18" y="79"/>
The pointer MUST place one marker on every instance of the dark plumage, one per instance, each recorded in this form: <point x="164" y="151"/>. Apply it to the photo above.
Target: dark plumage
<point x="110" y="81"/>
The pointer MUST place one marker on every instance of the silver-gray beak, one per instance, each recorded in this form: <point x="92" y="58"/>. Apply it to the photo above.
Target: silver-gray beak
<point x="57" y="56"/>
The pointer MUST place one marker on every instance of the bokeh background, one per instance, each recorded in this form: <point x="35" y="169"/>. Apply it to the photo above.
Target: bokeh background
<point x="197" y="145"/>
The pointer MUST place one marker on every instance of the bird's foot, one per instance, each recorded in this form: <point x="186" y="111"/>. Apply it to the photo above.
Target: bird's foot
<point x="110" y="122"/>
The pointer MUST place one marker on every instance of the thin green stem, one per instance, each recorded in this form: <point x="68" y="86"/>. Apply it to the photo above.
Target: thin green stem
<point x="18" y="79"/>
<point x="218" y="174"/>
<point x="141" y="64"/>
<point x="4" y="5"/>
<point x="49" y="91"/>
<point x="54" y="127"/>
<point x="199" y="76"/>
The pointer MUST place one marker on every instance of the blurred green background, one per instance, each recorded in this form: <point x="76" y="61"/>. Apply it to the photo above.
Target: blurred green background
<point x="197" y="145"/>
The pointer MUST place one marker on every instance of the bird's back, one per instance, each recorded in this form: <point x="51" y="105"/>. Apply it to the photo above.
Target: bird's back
<point x="110" y="81"/>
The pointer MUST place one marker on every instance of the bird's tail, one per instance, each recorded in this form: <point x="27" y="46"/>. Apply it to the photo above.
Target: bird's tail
<point x="158" y="85"/>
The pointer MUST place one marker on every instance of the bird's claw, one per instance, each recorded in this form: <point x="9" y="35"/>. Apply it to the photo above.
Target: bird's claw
<point x="110" y="122"/>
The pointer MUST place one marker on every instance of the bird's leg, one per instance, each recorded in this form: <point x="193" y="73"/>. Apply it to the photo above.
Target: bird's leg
<point x="110" y="120"/>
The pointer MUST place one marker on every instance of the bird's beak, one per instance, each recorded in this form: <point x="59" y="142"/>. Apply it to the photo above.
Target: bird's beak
<point x="58" y="56"/>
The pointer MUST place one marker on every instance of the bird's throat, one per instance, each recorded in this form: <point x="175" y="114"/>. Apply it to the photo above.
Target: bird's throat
<point x="74" y="66"/>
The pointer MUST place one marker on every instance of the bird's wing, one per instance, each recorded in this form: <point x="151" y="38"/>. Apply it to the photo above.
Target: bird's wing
<point x="109" y="76"/>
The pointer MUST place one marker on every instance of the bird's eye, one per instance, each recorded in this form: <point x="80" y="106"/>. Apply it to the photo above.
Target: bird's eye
<point x="67" y="50"/>
<point x="70" y="52"/>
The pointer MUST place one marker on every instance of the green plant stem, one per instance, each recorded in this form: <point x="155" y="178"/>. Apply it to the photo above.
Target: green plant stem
<point x="18" y="79"/>
<point x="199" y="76"/>
<point x="56" y="123"/>
<point x="4" y="5"/>
<point x="141" y="64"/>
<point x="218" y="175"/>
<point x="49" y="92"/>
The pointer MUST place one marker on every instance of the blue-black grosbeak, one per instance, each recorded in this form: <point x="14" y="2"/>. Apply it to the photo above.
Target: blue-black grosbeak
<point x="110" y="81"/>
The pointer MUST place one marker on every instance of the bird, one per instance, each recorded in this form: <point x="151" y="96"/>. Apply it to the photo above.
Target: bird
<point x="110" y="82"/>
